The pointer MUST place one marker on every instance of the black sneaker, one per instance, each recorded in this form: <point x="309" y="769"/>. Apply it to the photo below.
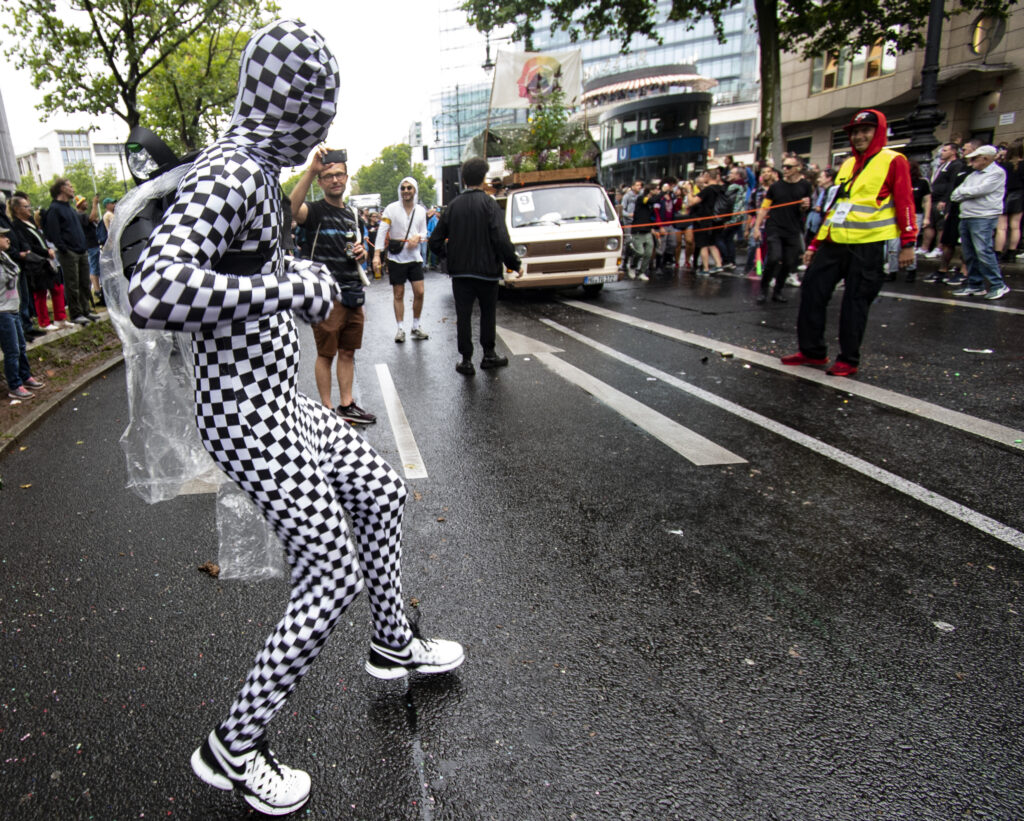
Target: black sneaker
<point x="265" y="784"/>
<point x="933" y="278"/>
<point x="355" y="415"/>
<point x="493" y="361"/>
<point x="465" y="367"/>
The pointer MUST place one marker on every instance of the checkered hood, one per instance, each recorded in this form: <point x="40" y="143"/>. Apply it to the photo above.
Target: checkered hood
<point x="287" y="93"/>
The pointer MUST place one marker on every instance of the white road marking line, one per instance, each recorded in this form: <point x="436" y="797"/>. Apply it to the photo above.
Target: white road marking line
<point x="687" y="443"/>
<point x="965" y="302"/>
<point x="922" y="494"/>
<point x="908" y="404"/>
<point x="408" y="452"/>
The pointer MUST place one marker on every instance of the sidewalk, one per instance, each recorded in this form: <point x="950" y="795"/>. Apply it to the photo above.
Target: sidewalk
<point x="52" y="396"/>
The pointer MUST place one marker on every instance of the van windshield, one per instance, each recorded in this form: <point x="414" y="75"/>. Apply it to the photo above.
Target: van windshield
<point x="560" y="205"/>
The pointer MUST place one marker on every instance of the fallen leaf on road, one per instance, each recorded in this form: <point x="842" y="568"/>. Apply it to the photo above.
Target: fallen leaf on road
<point x="211" y="568"/>
<point x="26" y="487"/>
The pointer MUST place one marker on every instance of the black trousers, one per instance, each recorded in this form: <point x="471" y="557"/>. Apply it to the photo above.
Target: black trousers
<point x="466" y="291"/>
<point x="862" y="268"/>
<point x="784" y="250"/>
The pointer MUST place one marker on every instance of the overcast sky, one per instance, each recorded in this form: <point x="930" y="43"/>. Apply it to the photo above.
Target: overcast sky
<point x="390" y="58"/>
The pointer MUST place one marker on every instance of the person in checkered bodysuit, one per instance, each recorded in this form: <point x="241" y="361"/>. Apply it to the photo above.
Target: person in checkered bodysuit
<point x="298" y="461"/>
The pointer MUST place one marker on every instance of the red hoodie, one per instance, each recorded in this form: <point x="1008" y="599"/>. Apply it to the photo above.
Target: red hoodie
<point x="897" y="183"/>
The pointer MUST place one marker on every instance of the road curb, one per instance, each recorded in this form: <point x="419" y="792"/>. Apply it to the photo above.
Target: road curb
<point x="43" y="410"/>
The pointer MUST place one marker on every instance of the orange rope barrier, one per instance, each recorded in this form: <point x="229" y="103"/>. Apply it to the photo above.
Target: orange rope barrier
<point x="715" y="217"/>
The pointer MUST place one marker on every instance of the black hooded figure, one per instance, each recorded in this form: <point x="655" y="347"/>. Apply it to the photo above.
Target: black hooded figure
<point x="302" y="466"/>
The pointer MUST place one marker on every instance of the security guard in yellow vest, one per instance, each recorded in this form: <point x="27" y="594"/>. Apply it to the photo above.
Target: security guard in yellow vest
<point x="873" y="203"/>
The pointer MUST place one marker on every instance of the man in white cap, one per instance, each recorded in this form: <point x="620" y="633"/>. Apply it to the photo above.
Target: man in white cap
<point x="402" y="228"/>
<point x="981" y="202"/>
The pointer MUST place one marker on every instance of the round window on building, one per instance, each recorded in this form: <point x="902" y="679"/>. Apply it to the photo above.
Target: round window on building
<point x="986" y="34"/>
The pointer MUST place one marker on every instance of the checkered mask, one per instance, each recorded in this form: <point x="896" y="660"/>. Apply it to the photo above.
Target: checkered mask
<point x="287" y="92"/>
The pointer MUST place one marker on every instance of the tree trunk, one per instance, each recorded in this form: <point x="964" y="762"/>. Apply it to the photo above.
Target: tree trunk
<point x="771" y="85"/>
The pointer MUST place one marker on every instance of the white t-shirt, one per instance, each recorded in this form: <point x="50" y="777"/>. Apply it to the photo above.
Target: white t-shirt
<point x="394" y="222"/>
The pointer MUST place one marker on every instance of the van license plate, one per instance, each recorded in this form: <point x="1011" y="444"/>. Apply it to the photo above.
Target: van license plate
<point x="602" y="278"/>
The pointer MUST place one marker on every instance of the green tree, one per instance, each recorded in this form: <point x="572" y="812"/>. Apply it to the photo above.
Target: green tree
<point x="383" y="175"/>
<point x="804" y="26"/>
<point x="315" y="193"/>
<point x="107" y="184"/>
<point x="99" y="59"/>
<point x="189" y="96"/>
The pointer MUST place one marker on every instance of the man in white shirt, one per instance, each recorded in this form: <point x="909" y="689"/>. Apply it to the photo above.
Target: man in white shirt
<point x="402" y="228"/>
<point x="981" y="202"/>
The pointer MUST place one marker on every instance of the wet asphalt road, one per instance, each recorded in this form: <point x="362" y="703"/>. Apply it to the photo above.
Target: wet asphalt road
<point x="782" y="638"/>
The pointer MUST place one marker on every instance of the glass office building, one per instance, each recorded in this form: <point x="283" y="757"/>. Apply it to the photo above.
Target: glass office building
<point x="734" y="65"/>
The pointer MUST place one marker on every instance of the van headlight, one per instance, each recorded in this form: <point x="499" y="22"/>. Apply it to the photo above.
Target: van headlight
<point x="612" y="243"/>
<point x="520" y="250"/>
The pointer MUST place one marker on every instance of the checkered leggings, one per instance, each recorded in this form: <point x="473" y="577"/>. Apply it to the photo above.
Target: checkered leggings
<point x="304" y="468"/>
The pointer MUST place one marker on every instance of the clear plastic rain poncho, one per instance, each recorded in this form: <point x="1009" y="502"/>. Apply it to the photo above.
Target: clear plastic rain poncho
<point x="162" y="449"/>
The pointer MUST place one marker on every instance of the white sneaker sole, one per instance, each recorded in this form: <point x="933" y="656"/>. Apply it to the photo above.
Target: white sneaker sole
<point x="222" y="782"/>
<point x="211" y="777"/>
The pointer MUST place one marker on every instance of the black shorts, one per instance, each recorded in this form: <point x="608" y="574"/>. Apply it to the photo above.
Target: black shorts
<point x="951" y="230"/>
<point x="705" y="238"/>
<point x="1013" y="203"/>
<point x="401" y="272"/>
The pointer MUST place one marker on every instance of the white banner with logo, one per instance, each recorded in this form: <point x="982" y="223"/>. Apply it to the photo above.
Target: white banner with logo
<point x="525" y="78"/>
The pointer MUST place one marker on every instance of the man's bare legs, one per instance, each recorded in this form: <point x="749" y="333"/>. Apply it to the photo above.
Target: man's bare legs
<point x="346" y="370"/>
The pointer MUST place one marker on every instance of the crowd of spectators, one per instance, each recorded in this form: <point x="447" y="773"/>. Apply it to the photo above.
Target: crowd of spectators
<point x="52" y="259"/>
<point x="698" y="224"/>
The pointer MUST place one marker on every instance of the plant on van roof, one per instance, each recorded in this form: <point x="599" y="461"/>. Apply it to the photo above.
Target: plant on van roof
<point x="550" y="141"/>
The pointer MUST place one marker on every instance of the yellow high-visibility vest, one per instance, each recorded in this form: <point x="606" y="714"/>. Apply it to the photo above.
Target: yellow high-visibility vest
<point x="867" y="220"/>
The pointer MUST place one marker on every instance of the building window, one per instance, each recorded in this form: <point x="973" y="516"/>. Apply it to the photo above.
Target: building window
<point x="847" y="67"/>
<point x="70" y="156"/>
<point x="987" y="34"/>
<point x="731" y="138"/>
<point x="108" y="148"/>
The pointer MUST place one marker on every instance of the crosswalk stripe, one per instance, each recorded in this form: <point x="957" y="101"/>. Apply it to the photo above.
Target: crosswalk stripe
<point x="908" y="404"/>
<point x="922" y="494"/>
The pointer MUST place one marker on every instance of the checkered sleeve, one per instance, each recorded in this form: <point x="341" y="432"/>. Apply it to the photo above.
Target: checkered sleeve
<point x="225" y="202"/>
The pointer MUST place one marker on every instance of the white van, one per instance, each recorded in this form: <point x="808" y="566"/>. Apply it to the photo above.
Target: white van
<point x="566" y="234"/>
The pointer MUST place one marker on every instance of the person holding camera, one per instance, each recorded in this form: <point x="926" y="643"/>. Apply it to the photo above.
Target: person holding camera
<point x="334" y="236"/>
<point x="402" y="229"/>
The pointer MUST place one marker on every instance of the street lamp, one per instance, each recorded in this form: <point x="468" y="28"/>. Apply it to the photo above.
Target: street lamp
<point x="926" y="116"/>
<point x="488" y="64"/>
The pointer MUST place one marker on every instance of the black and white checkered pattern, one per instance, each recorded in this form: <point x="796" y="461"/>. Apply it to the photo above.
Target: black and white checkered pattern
<point x="299" y="462"/>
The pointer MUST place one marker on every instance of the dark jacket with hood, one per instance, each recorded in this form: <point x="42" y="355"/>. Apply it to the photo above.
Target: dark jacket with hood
<point x="471" y="234"/>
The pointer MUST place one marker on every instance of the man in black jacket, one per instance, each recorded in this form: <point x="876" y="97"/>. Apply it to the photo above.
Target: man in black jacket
<point x="64" y="229"/>
<point x="472" y="235"/>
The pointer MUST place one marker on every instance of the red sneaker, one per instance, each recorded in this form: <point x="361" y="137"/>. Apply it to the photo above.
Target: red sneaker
<point x="799" y="359"/>
<point x="842" y="369"/>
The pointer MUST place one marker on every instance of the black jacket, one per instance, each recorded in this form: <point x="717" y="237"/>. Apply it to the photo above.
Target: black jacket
<point x="477" y="239"/>
<point x="946" y="181"/>
<point x="36" y="264"/>
<point x="64" y="227"/>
